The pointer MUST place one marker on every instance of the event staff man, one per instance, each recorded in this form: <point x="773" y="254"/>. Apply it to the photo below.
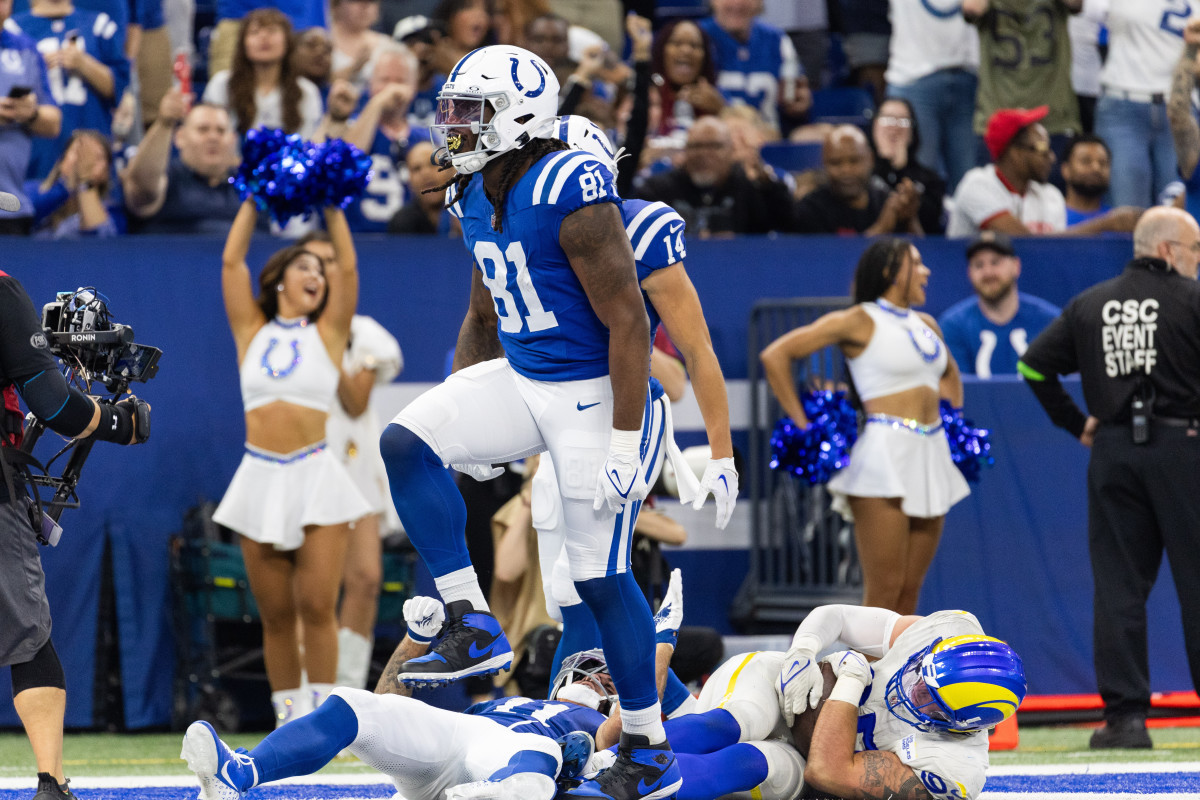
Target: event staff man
<point x="1135" y="341"/>
<point x="27" y="368"/>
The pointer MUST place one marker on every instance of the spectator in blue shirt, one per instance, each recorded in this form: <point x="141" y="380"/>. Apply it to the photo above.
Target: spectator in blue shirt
<point x="185" y="190"/>
<point x="382" y="130"/>
<point x="147" y="45"/>
<point x="27" y="109"/>
<point x="1086" y="171"/>
<point x="987" y="333"/>
<point x="756" y="62"/>
<point x="86" y="69"/>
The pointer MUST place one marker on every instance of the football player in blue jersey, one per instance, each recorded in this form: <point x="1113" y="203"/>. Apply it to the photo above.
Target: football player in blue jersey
<point x="656" y="233"/>
<point x="507" y="745"/>
<point x="553" y="355"/>
<point x="514" y="748"/>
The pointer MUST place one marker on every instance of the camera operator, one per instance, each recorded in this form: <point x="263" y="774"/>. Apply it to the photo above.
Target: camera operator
<point x="28" y="368"/>
<point x="1135" y="341"/>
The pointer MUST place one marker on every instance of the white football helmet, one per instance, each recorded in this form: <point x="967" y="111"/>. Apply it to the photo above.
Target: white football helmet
<point x="582" y="134"/>
<point x="520" y="89"/>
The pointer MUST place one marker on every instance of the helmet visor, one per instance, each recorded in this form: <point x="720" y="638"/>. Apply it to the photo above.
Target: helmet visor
<point x="922" y="698"/>
<point x="911" y="699"/>
<point x="457" y="111"/>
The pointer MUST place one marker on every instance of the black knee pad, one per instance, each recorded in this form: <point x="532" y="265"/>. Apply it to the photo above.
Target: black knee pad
<point x="43" y="670"/>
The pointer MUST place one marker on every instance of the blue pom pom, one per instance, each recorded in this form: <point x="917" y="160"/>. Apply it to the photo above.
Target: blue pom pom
<point x="970" y="447"/>
<point x="816" y="452"/>
<point x="341" y="173"/>
<point x="275" y="171"/>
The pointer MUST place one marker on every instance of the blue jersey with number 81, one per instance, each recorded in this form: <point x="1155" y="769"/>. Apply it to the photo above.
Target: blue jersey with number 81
<point x="547" y="326"/>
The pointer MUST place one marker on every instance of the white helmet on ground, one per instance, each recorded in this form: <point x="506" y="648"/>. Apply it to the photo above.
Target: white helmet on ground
<point x="582" y="134"/>
<point x="519" y="87"/>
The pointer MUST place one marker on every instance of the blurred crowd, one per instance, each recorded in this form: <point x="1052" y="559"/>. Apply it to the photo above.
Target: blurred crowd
<point x="1027" y="117"/>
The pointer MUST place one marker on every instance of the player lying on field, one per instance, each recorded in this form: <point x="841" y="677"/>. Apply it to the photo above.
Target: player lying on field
<point x="913" y="724"/>
<point x="509" y="749"/>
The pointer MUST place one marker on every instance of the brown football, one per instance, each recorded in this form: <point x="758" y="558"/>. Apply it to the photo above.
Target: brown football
<point x="802" y="729"/>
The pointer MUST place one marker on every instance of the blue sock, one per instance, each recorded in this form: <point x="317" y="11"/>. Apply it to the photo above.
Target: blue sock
<point x="703" y="733"/>
<point x="735" y="769"/>
<point x="527" y="761"/>
<point x="428" y="502"/>
<point x="304" y="745"/>
<point x="675" y="693"/>
<point x="627" y="630"/>
<point x="579" y="633"/>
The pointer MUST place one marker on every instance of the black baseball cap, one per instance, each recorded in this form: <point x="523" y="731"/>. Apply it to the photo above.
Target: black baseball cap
<point x="991" y="240"/>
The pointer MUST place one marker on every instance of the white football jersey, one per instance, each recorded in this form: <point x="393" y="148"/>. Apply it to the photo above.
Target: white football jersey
<point x="950" y="765"/>
<point x="1145" y="38"/>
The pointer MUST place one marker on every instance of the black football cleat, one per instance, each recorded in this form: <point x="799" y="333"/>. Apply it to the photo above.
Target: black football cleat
<point x="472" y="643"/>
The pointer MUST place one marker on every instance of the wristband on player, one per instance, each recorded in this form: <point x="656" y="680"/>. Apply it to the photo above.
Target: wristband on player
<point x="625" y="443"/>
<point x="848" y="690"/>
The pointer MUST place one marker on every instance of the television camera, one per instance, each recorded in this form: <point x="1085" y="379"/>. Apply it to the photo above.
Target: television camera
<point x="100" y="358"/>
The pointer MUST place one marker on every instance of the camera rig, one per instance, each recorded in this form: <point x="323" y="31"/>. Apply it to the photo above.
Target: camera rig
<point x="100" y="358"/>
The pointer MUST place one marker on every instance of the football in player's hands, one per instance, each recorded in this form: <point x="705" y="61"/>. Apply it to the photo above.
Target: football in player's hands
<point x="802" y="728"/>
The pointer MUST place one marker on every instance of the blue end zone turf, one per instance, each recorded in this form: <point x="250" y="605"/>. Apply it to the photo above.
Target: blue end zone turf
<point x="1100" y="783"/>
<point x="1062" y="786"/>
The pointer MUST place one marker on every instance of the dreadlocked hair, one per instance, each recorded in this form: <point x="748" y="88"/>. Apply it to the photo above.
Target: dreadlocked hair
<point x="535" y="151"/>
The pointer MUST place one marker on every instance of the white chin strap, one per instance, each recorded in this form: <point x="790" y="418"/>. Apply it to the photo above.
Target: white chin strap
<point x="580" y="693"/>
<point x="467" y="163"/>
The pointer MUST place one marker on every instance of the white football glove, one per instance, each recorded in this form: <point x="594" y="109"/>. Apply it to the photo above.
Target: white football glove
<point x="721" y="479"/>
<point x="800" y="684"/>
<point x="424" y="617"/>
<point x="670" y="613"/>
<point x="849" y="664"/>
<point x="621" y="480"/>
<point x="480" y="472"/>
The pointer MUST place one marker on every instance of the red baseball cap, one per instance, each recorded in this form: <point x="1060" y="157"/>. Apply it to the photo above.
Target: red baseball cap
<point x="1004" y="125"/>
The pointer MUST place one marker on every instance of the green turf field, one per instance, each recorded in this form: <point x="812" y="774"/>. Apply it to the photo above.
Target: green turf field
<point x="110" y="754"/>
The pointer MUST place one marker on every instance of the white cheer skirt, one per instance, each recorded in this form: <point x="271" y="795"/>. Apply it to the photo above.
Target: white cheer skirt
<point x="899" y="458"/>
<point x="272" y="497"/>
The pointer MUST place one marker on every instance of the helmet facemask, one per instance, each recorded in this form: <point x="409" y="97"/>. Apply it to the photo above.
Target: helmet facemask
<point x="458" y="114"/>
<point x="583" y="678"/>
<point x="910" y="698"/>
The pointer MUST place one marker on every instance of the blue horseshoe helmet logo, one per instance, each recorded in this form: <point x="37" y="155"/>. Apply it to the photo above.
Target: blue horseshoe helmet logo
<point x="517" y="81"/>
<point x="940" y="13"/>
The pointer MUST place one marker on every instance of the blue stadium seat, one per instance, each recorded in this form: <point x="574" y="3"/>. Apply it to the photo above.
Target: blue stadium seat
<point x="847" y="104"/>
<point x="672" y="9"/>
<point x="793" y="156"/>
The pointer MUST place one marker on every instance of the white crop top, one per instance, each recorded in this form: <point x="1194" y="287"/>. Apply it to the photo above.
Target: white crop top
<point x="287" y="361"/>
<point x="903" y="353"/>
